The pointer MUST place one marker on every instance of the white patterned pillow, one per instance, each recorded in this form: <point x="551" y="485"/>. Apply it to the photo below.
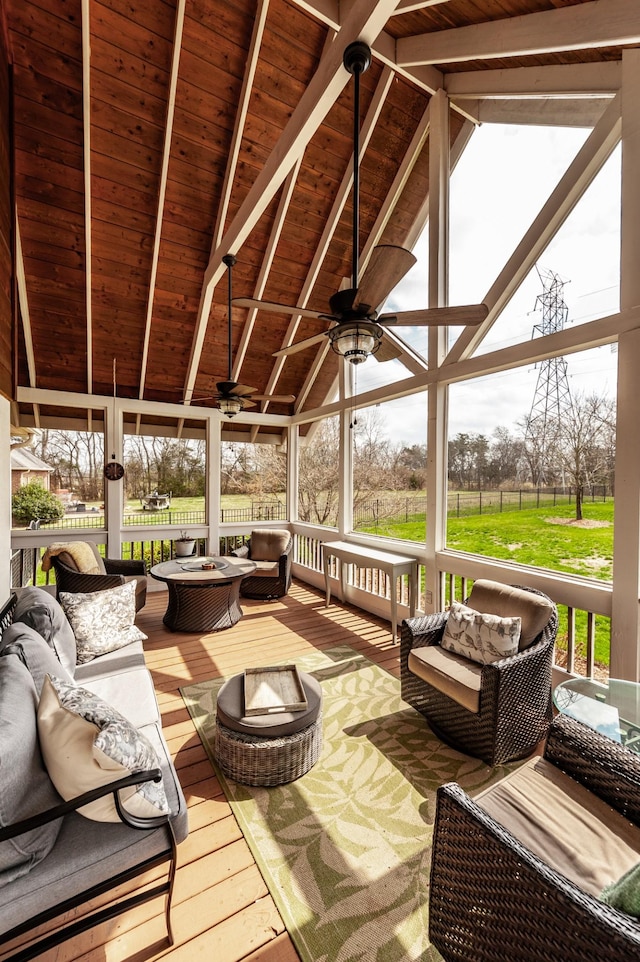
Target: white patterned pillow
<point x="478" y="636"/>
<point x="102" y="620"/>
<point x="86" y="743"/>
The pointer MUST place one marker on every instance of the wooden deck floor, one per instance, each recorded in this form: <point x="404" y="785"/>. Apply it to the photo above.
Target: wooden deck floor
<point x="222" y="910"/>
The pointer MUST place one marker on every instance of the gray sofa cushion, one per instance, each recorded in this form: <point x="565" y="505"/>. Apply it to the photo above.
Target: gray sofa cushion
<point x="25" y="786"/>
<point x="129" y="692"/>
<point x="85" y="856"/>
<point x="40" y="659"/>
<point x="37" y="608"/>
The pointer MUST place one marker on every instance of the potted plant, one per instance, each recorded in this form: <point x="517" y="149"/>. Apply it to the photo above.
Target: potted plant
<point x="184" y="545"/>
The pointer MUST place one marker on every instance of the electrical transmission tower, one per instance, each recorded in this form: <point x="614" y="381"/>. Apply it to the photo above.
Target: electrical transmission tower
<point x="552" y="397"/>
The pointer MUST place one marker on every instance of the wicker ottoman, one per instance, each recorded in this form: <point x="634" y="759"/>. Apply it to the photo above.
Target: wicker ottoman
<point x="267" y="750"/>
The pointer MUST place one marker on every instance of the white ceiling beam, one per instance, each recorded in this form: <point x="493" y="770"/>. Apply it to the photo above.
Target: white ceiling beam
<point x="364" y="21"/>
<point x="571" y="340"/>
<point x="600" y="23"/>
<point x="23" y="303"/>
<point x="572" y="185"/>
<point x="541" y="113"/>
<point x="408" y="6"/>
<point x="394" y="193"/>
<point x="366" y="132"/>
<point x="86" y="135"/>
<point x="554" y="80"/>
<point x="265" y="267"/>
<point x="241" y="117"/>
<point x="162" y="189"/>
<point x="383" y="45"/>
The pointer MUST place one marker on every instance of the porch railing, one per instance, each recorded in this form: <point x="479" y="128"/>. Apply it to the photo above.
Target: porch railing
<point x="584" y="606"/>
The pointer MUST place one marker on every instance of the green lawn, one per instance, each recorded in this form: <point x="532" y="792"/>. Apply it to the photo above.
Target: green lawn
<point x="536" y="537"/>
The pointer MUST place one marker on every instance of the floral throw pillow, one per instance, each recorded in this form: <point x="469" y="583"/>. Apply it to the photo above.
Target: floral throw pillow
<point x="86" y="743"/>
<point x="102" y="621"/>
<point x="480" y="637"/>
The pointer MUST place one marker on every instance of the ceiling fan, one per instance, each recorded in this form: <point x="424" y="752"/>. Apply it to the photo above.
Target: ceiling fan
<point x="232" y="397"/>
<point x="357" y="329"/>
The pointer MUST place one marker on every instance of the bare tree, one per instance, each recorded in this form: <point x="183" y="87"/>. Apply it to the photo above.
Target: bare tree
<point x="318" y="483"/>
<point x="587" y="443"/>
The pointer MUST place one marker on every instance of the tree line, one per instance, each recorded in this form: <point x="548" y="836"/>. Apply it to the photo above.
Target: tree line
<point x="576" y="451"/>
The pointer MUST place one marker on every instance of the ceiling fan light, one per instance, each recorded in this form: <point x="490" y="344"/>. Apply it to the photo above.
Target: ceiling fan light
<point x="230" y="406"/>
<point x="356" y="341"/>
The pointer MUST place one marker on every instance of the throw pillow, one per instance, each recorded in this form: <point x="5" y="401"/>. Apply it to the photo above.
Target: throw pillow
<point x="34" y="652"/>
<point x="102" y="621"/>
<point x="86" y="743"/>
<point x="624" y="895"/>
<point x="25" y="787"/>
<point x="481" y="637"/>
<point x="40" y="610"/>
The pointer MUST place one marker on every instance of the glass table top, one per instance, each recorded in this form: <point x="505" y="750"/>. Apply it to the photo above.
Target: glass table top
<point x="610" y="707"/>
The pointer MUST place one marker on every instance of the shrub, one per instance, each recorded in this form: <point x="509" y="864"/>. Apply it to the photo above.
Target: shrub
<point x="32" y="502"/>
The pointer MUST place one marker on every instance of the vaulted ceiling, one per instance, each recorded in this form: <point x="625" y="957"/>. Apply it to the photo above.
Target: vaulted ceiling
<point x="152" y="137"/>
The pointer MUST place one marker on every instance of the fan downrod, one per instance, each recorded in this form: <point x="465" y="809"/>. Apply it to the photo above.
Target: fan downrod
<point x="357" y="57"/>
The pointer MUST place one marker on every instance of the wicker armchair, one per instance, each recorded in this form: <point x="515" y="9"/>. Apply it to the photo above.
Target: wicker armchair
<point x="493" y="898"/>
<point x="509" y="709"/>
<point x="112" y="572"/>
<point x="271" y="550"/>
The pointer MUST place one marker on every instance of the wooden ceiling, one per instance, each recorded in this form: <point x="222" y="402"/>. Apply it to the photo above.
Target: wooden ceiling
<point x="152" y="137"/>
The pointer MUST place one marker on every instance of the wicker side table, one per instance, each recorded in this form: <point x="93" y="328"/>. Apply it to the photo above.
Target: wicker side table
<point x="287" y="745"/>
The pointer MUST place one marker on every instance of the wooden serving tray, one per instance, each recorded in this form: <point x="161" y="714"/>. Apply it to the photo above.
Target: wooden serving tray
<point x="271" y="690"/>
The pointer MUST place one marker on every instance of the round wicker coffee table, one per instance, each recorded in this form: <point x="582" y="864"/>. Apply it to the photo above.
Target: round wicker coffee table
<point x="267" y="750"/>
<point x="204" y="593"/>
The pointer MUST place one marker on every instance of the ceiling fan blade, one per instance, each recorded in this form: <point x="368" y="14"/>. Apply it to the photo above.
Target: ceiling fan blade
<point x="385" y="269"/>
<point x="437" y="316"/>
<point x="274" y="308"/>
<point x="276" y="398"/>
<point x="238" y="390"/>
<point x="301" y="345"/>
<point x="387" y="351"/>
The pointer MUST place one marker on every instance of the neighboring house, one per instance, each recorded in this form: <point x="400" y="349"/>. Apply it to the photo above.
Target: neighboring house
<point x="26" y="467"/>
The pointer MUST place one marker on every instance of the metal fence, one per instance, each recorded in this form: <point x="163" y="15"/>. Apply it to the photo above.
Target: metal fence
<point x="257" y="511"/>
<point x="465" y="503"/>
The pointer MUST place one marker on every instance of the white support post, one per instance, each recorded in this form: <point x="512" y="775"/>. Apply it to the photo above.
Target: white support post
<point x="625" y="619"/>
<point x="113" y="490"/>
<point x="5" y="499"/>
<point x="345" y="459"/>
<point x="293" y="470"/>
<point x="439" y="167"/>
<point x="213" y="475"/>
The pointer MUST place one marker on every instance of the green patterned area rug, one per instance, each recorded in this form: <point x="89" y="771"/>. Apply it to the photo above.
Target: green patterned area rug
<point x="345" y="849"/>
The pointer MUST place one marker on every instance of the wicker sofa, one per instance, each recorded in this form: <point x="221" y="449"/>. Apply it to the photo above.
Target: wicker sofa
<point x="52" y="858"/>
<point x="517" y="873"/>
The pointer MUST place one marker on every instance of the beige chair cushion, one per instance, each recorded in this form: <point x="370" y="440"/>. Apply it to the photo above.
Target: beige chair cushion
<point x="268" y="544"/>
<point x="505" y="601"/>
<point x="453" y="675"/>
<point x="266" y="569"/>
<point x="564" y="824"/>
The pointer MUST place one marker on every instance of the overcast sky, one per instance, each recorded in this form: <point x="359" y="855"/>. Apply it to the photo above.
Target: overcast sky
<point x="503" y="178"/>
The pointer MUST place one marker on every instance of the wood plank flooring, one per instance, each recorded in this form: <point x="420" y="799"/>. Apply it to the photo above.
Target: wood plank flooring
<point x="222" y="910"/>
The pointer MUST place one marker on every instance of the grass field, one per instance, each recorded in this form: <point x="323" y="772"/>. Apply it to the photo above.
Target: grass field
<point x="540" y="537"/>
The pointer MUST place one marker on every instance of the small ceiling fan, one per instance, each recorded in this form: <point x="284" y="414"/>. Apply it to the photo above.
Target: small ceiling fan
<point x="232" y="397"/>
<point x="357" y="330"/>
